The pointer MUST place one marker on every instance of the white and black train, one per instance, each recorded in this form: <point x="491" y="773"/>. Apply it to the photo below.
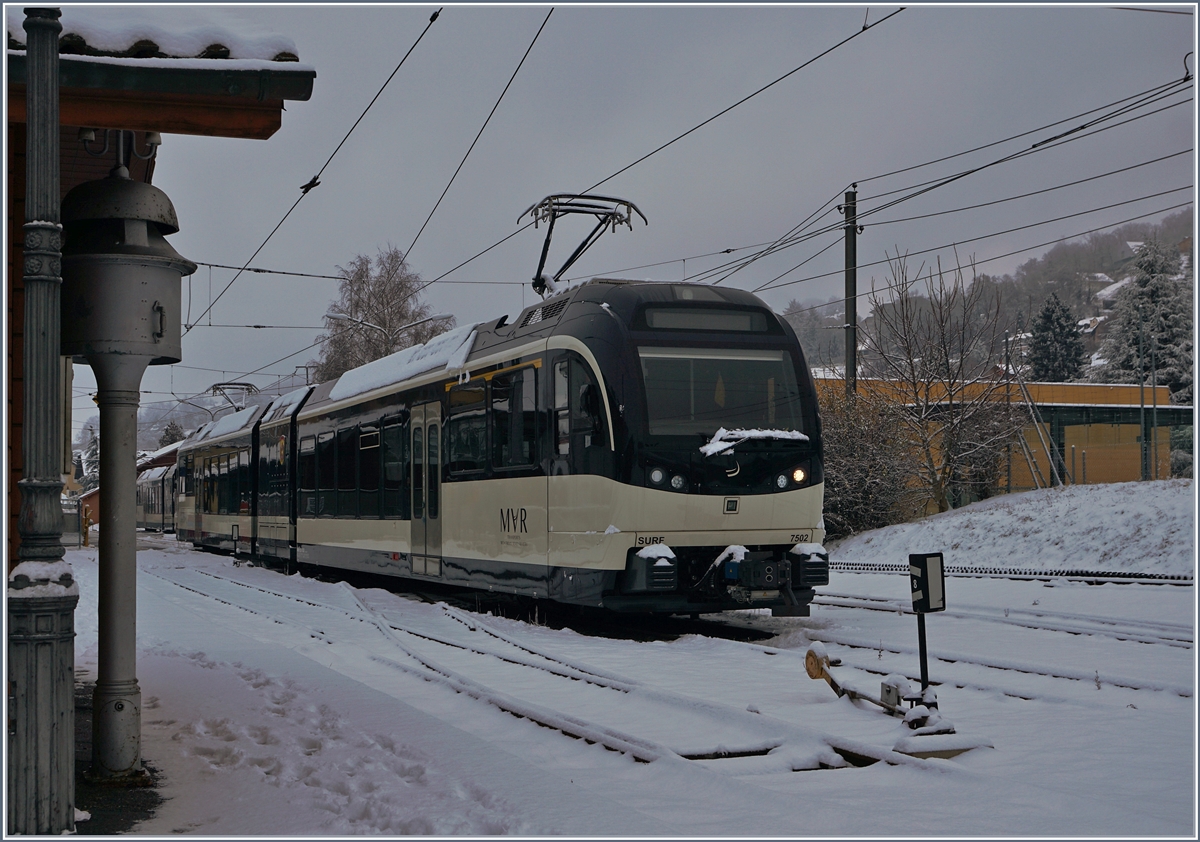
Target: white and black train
<point x="635" y="446"/>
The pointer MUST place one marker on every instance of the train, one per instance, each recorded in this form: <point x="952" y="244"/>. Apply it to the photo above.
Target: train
<point x="635" y="446"/>
<point x="155" y="499"/>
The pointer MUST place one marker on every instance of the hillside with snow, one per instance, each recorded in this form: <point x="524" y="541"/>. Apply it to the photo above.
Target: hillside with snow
<point x="1130" y="527"/>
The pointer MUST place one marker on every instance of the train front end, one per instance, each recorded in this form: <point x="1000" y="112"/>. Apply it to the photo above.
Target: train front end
<point x="719" y="477"/>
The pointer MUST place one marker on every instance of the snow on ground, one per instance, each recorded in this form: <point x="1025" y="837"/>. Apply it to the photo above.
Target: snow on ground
<point x="1129" y="527"/>
<point x="284" y="706"/>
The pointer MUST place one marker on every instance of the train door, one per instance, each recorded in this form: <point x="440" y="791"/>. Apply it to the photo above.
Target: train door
<point x="426" y="488"/>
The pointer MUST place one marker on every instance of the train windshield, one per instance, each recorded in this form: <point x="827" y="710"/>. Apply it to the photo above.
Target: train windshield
<point x="699" y="390"/>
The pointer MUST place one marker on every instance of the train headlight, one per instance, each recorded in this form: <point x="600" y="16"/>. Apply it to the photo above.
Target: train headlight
<point x="658" y="476"/>
<point x="678" y="482"/>
<point x="799" y="476"/>
<point x="781" y="481"/>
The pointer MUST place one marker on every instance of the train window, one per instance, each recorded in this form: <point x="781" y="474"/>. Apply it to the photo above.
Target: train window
<point x="514" y="418"/>
<point x="418" y="474"/>
<point x="706" y="319"/>
<point x="223" y="485"/>
<point x="581" y="437"/>
<point x="326" y="474"/>
<point x="368" y="472"/>
<point x="244" y="484"/>
<point x="307" y="476"/>
<point x="698" y="390"/>
<point x="466" y="430"/>
<point x="434" y="471"/>
<point x="347" y="472"/>
<point x="395" y="441"/>
<point x="562" y="418"/>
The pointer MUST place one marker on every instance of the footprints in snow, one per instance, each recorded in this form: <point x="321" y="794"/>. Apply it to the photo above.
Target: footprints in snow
<point x="364" y="782"/>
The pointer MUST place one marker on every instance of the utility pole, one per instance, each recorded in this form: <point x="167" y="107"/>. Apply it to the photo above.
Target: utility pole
<point x="850" y="209"/>
<point x="1154" y="399"/>
<point x="1142" y="396"/>
<point x="1008" y="412"/>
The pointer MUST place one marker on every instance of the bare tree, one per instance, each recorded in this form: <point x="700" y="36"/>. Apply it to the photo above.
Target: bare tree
<point x="381" y="297"/>
<point x="870" y="460"/>
<point x="938" y="355"/>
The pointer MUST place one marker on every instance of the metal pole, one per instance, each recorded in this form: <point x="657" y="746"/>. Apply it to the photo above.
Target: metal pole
<point x="1073" y="474"/>
<point x="851" y="228"/>
<point x="117" y="701"/>
<point x="924" y="653"/>
<point x="1142" y="395"/>
<point x="1085" y="467"/>
<point x="1154" y="398"/>
<point x="1008" y="412"/>
<point x="40" y="646"/>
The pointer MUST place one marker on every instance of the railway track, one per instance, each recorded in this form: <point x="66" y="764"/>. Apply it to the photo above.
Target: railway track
<point x="1089" y="576"/>
<point x="1140" y="631"/>
<point x="462" y="652"/>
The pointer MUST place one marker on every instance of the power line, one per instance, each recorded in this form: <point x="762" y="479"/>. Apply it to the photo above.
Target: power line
<point x="1008" y="254"/>
<point x="926" y="187"/>
<point x="325" y="277"/>
<point x="1145" y="96"/>
<point x="765" y="288"/>
<point x="746" y="98"/>
<point x="680" y="137"/>
<point x="315" y="180"/>
<point x="408" y="253"/>
<point x="944" y="158"/>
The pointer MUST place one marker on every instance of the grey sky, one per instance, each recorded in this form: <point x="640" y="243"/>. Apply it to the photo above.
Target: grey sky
<point x="605" y="85"/>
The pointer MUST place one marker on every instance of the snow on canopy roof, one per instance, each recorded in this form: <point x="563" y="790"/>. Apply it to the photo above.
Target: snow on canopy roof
<point x="448" y="350"/>
<point x="146" y="32"/>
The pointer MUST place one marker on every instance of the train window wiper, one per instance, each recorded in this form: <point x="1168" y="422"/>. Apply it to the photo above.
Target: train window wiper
<point x="724" y="441"/>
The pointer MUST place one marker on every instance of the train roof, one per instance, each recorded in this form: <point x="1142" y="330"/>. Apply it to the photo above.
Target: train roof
<point x="285" y="405"/>
<point x="230" y="425"/>
<point x="452" y="352"/>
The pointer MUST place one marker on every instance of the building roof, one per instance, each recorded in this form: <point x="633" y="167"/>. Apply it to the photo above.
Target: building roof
<point x="125" y="74"/>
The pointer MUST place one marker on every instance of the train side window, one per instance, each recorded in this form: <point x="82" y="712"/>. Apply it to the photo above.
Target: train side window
<point x="418" y="473"/>
<point x="514" y="419"/>
<point x="347" y="472"/>
<point x="434" y="471"/>
<point x="587" y="412"/>
<point x="395" y="447"/>
<point x="326" y="475"/>
<point x="244" y="485"/>
<point x="580" y="430"/>
<point x="368" y="472"/>
<point x="307" y="476"/>
<point x="466" y="430"/>
<point x="223" y="485"/>
<point x="562" y="416"/>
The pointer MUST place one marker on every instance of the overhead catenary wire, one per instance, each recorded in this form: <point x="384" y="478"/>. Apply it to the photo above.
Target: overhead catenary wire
<point x="316" y="179"/>
<point x="458" y="169"/>
<point x="926" y="187"/>
<point x="747" y="98"/>
<point x="838" y="227"/>
<point x="989" y="259"/>
<point x="674" y="140"/>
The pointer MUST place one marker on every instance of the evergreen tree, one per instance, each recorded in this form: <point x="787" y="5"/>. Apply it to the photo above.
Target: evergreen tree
<point x="91" y="460"/>
<point x="1156" y="306"/>
<point x="171" y="434"/>
<point x="1056" y="352"/>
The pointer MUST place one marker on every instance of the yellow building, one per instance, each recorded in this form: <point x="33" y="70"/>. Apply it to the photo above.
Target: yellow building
<point x="1085" y="433"/>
